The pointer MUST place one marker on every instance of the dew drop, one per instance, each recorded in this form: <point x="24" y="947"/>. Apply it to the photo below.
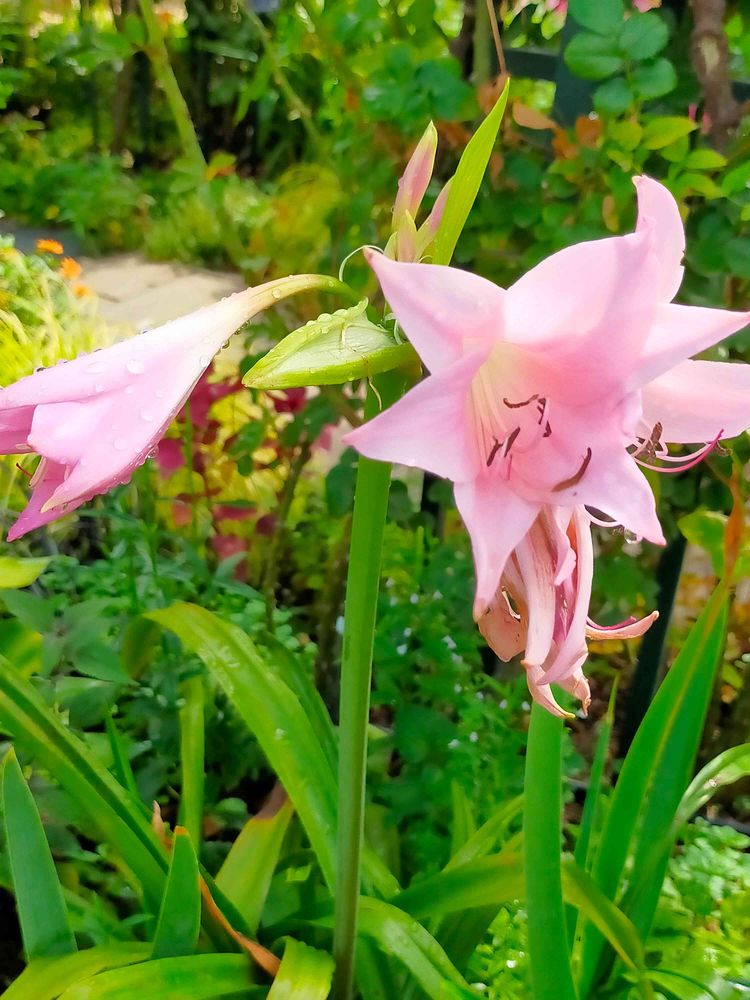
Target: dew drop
<point x="147" y="415"/>
<point x="204" y="360"/>
<point x="276" y="293"/>
<point x="135" y="367"/>
<point x="96" y="368"/>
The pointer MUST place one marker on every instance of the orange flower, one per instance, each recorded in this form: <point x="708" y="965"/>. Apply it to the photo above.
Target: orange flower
<point x="49" y="246"/>
<point x="69" y="268"/>
<point x="81" y="290"/>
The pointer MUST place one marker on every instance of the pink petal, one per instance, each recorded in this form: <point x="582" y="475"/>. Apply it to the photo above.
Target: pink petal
<point x="679" y="332"/>
<point x="32" y="517"/>
<point x="587" y="311"/>
<point x="658" y="210"/>
<point x="416" y="177"/>
<point x="541" y="692"/>
<point x="504" y="631"/>
<point x="538" y="571"/>
<point x="62" y="432"/>
<point x="428" y="428"/>
<point x="696" y="400"/>
<point x="629" y="629"/>
<point x="572" y="650"/>
<point x="440" y="308"/>
<point x="496" y="519"/>
<point x="578" y="686"/>
<point x="15" y="426"/>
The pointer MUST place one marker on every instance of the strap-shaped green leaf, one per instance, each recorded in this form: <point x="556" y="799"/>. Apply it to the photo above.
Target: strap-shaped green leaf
<point x="246" y="874"/>
<point x="656" y="771"/>
<point x="47" y="978"/>
<point x="192" y="977"/>
<point x="39" y="898"/>
<point x="180" y="915"/>
<point x="466" y="182"/>
<point x="106" y="805"/>
<point x="725" y="769"/>
<point x="192" y="754"/>
<point x="305" y="974"/>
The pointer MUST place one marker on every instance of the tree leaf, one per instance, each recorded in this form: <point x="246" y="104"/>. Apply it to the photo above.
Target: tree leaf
<point x="643" y="36"/>
<point x="593" y="57"/>
<point x="180" y="915"/>
<point x="42" y="913"/>
<point x="601" y="16"/>
<point x="467" y="181"/>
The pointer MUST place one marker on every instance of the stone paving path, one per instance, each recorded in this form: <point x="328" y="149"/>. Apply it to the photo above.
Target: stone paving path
<point x="131" y="289"/>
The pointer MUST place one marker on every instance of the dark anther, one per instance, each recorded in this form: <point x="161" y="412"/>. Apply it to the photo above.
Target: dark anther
<point x="516" y="406"/>
<point x="510" y="440"/>
<point x="577" y="477"/>
<point x="495" y="449"/>
<point x="547" y="430"/>
<point x="542" y="405"/>
<point x="24" y="471"/>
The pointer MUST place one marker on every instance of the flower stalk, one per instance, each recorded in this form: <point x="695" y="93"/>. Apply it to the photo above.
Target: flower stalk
<point x="368" y="523"/>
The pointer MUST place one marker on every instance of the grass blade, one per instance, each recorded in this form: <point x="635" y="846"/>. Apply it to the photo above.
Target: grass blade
<point x="42" y="913"/>
<point x="725" y="769"/>
<point x="180" y="915"/>
<point x="304" y="972"/>
<point x="549" y="950"/>
<point x="246" y="874"/>
<point x="466" y="182"/>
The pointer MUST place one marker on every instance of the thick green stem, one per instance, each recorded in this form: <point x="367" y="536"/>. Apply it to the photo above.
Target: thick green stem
<point x="549" y="950"/>
<point x="368" y="523"/>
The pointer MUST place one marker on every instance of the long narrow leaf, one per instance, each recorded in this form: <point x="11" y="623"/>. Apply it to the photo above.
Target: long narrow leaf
<point x="192" y="752"/>
<point x="652" y="781"/>
<point x="45" y="928"/>
<point x="725" y="769"/>
<point x="483" y="882"/>
<point x="47" y="978"/>
<point x="195" y="977"/>
<point x="304" y="972"/>
<point x="551" y="976"/>
<point x="98" y="796"/>
<point x="180" y="914"/>
<point x="246" y="874"/>
<point x="272" y="713"/>
<point x="466" y="182"/>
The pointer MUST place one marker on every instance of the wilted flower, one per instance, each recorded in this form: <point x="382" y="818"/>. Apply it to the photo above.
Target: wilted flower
<point x="95" y="419"/>
<point x="541" y="606"/>
<point x="554" y="391"/>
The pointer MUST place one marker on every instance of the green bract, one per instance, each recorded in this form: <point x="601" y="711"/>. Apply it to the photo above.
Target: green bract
<point x="334" y="348"/>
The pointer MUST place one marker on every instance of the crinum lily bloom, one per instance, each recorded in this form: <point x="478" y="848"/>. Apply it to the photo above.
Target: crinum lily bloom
<point x="93" y="420"/>
<point x="541" y="606"/>
<point x="553" y="391"/>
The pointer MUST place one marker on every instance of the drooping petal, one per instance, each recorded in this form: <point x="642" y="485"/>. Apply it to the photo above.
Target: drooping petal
<point x="537" y="567"/>
<point x="47" y="479"/>
<point x="496" y="519"/>
<point x="572" y="650"/>
<point x="629" y="629"/>
<point x="658" y="209"/>
<point x="578" y="686"/>
<point x="503" y="629"/>
<point x="696" y="400"/>
<point x="541" y="692"/>
<point x="677" y="333"/>
<point x="440" y="309"/>
<point x="62" y="432"/>
<point x="429" y="428"/>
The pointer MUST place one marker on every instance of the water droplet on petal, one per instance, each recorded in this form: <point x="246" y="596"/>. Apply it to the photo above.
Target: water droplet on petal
<point x="204" y="360"/>
<point x="276" y="293"/>
<point x="135" y="367"/>
<point x="96" y="368"/>
<point x="147" y="415"/>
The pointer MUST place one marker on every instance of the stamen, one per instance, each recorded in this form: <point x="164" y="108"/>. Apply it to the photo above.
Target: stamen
<point x="683" y="462"/>
<point x="575" y="479"/>
<point x="509" y="441"/>
<point x="547" y="430"/>
<point x="22" y="470"/>
<point x="516" y="406"/>
<point x="495" y="449"/>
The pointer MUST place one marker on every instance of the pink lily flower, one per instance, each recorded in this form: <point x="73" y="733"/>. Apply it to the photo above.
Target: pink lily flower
<point x="93" y="420"/>
<point x="551" y="393"/>
<point x="541" y="606"/>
